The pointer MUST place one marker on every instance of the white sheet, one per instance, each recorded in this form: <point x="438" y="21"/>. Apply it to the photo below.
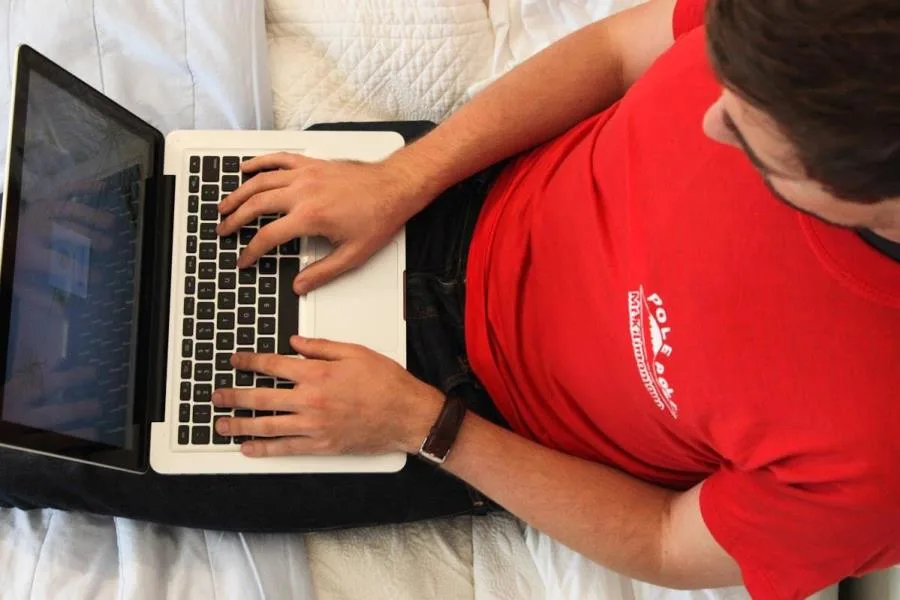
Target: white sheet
<point x="52" y="554"/>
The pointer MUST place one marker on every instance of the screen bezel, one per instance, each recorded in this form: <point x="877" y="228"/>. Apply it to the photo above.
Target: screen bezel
<point x="42" y="441"/>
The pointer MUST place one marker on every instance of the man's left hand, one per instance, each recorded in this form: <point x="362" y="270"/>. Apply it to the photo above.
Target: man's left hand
<point x="346" y="399"/>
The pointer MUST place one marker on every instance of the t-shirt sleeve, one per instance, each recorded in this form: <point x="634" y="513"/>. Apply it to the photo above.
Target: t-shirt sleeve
<point x="792" y="541"/>
<point x="688" y="16"/>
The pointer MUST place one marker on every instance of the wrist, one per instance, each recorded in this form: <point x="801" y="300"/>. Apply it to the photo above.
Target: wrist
<point x="420" y="418"/>
<point x="421" y="175"/>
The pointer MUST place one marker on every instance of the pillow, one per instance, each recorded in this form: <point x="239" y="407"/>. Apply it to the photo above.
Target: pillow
<point x="179" y="64"/>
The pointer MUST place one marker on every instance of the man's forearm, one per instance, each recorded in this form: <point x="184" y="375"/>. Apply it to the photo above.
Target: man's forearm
<point x="574" y="78"/>
<point x="538" y="100"/>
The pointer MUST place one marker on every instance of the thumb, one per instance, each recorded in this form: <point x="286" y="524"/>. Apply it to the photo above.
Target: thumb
<point x="324" y="270"/>
<point x="321" y="349"/>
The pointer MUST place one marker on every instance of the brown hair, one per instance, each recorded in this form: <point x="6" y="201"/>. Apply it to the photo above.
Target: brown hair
<point x="828" y="73"/>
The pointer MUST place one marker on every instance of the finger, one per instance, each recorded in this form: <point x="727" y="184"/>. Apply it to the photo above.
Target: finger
<point x="275" y="365"/>
<point x="265" y="203"/>
<point x="261" y="183"/>
<point x="275" y="233"/>
<point x="278" y="160"/>
<point x="256" y="399"/>
<point x="341" y="260"/>
<point x="287" y="446"/>
<point x="282" y="425"/>
<point x="320" y="349"/>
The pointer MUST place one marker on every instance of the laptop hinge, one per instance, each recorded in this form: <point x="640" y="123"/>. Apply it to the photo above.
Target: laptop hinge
<point x="162" y="278"/>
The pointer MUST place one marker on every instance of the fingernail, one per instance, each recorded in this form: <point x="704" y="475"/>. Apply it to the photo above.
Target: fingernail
<point x="250" y="449"/>
<point x="216" y="397"/>
<point x="299" y="338"/>
<point x="222" y="426"/>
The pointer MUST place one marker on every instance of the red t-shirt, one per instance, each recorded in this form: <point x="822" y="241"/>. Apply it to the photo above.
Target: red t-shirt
<point x="637" y="297"/>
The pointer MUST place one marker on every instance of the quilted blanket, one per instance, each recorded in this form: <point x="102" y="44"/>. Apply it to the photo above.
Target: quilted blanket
<point x="335" y="60"/>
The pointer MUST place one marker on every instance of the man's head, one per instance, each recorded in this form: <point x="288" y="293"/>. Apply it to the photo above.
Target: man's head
<point x="812" y="95"/>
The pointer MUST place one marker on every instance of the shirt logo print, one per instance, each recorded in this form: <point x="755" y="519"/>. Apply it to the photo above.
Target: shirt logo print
<point x="649" y="331"/>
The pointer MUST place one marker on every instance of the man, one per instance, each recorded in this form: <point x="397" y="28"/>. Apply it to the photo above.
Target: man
<point x="698" y="377"/>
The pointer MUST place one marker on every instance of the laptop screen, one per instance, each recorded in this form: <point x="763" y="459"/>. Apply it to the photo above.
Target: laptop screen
<point x="70" y="360"/>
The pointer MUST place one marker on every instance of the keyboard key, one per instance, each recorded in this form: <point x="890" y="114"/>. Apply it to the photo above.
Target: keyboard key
<point x="263" y="221"/>
<point x="207" y="270"/>
<point x="189" y="306"/>
<point x="247" y="276"/>
<point x="206" y="311"/>
<point x="219" y="439"/>
<point x="185" y="391"/>
<point x="209" y="193"/>
<point x="190" y="285"/>
<point x="208" y="251"/>
<point x="211" y="165"/>
<point x="191" y="245"/>
<point x="193" y="204"/>
<point x="243" y="413"/>
<point x="204" y="352"/>
<point x="208" y="231"/>
<point x="203" y="372"/>
<point x="226" y="300"/>
<point x="243" y="378"/>
<point x="184" y="413"/>
<point x="190" y="265"/>
<point x="246" y="234"/>
<point x="266" y="305"/>
<point x="225" y="320"/>
<point x="195" y="164"/>
<point x="209" y="212"/>
<point x="194" y="184"/>
<point x="225" y="341"/>
<point x="228" y="260"/>
<point x="202" y="392"/>
<point x="264" y="413"/>
<point x="265" y="382"/>
<point x="186" y="368"/>
<point x="288" y="304"/>
<point x="224" y="381"/>
<point x="200" y="435"/>
<point x="202" y="413"/>
<point x="192" y="224"/>
<point x="284" y="385"/>
<point x="267" y="265"/>
<point x="290" y="248"/>
<point x="245" y="336"/>
<point x="246" y="315"/>
<point x="187" y="348"/>
<point x="230" y="183"/>
<point x="231" y="164"/>
<point x="247" y="295"/>
<point x="266" y="326"/>
<point x="268" y="285"/>
<point x="184" y="435"/>
<point x="187" y="327"/>
<point x="229" y="242"/>
<point x="205" y="331"/>
<point x="222" y="409"/>
<point x="227" y="280"/>
<point x="206" y="290"/>
<point x="265" y="345"/>
<point x="223" y="362"/>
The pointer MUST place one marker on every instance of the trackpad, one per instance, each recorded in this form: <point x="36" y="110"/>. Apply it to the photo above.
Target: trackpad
<point x="364" y="306"/>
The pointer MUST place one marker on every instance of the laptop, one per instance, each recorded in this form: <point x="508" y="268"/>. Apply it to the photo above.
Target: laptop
<point x="120" y="306"/>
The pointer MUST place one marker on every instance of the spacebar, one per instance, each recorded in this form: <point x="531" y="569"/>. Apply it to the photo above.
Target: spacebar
<point x="288" y="304"/>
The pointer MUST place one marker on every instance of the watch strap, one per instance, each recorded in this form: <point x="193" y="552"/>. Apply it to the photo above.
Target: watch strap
<point x="437" y="445"/>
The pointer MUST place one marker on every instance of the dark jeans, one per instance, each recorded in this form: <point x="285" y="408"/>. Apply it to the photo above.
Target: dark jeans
<point x="437" y="245"/>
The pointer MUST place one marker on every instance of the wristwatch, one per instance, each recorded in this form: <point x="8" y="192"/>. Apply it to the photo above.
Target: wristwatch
<point x="436" y="446"/>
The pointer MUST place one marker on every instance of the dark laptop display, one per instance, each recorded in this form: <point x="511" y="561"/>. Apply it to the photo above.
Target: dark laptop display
<point x="71" y="271"/>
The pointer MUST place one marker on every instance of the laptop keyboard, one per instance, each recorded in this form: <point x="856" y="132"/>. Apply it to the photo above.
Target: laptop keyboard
<point x="226" y="310"/>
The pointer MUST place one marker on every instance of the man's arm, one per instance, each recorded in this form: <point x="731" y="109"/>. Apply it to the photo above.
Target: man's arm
<point x="569" y="81"/>
<point x="637" y="529"/>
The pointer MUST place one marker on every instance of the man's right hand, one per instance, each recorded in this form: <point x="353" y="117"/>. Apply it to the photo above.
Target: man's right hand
<point x="357" y="206"/>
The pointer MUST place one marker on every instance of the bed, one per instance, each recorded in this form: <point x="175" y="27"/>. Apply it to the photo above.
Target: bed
<point x="289" y="64"/>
